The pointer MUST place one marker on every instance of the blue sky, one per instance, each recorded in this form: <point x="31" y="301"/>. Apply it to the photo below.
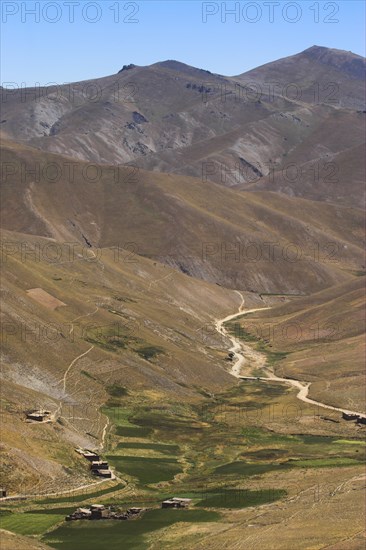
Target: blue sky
<point x="65" y="41"/>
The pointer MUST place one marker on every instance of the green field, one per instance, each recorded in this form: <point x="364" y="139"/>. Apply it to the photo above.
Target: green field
<point x="240" y="498"/>
<point x="219" y="448"/>
<point x="350" y="442"/>
<point x="121" y="535"/>
<point x="248" y="468"/>
<point x="32" y="523"/>
<point x="160" y="447"/>
<point x="168" y="423"/>
<point x="146" y="470"/>
<point x="133" y="431"/>
<point x="119" y="416"/>
<point x="265" y="454"/>
<point x="326" y="462"/>
<point x="83" y="496"/>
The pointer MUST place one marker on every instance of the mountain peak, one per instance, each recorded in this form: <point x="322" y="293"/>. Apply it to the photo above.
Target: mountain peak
<point x="319" y="51"/>
<point x="178" y="66"/>
<point x="346" y="61"/>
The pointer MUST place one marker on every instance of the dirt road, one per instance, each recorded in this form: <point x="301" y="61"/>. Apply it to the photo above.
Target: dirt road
<point x="242" y="352"/>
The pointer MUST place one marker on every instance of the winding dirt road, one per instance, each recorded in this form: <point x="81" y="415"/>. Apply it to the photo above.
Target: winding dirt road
<point x="242" y="352"/>
<point x="72" y="364"/>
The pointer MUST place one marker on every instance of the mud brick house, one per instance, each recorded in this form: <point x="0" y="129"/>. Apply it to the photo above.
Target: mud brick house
<point x="176" y="502"/>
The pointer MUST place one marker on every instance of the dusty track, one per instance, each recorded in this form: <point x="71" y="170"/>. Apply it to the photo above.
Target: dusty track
<point x="242" y="352"/>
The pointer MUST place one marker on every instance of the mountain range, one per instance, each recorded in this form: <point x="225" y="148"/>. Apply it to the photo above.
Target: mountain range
<point x="144" y="203"/>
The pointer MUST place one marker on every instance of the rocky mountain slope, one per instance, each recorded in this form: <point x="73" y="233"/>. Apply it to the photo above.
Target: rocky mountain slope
<point x="257" y="242"/>
<point x="230" y="130"/>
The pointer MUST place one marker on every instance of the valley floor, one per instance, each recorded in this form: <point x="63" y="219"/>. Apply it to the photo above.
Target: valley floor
<point x="261" y="471"/>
